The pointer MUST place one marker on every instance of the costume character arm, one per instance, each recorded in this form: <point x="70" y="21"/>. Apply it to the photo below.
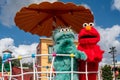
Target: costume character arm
<point x="80" y="55"/>
<point x="99" y="53"/>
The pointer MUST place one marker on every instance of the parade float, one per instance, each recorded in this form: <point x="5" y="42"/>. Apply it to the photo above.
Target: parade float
<point x="43" y="20"/>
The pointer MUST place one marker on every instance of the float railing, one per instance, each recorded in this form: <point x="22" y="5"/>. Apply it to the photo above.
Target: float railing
<point x="36" y="72"/>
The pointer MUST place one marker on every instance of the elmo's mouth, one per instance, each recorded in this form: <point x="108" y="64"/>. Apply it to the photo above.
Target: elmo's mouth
<point x="88" y="36"/>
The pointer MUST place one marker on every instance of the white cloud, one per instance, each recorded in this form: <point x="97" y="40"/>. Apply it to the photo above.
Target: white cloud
<point x="10" y="7"/>
<point x="116" y="5"/>
<point x="86" y="6"/>
<point x="26" y="49"/>
<point x="22" y="50"/>
<point x="109" y="39"/>
<point x="6" y="43"/>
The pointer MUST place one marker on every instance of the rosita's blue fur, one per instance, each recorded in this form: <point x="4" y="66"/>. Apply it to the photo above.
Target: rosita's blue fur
<point x="64" y="44"/>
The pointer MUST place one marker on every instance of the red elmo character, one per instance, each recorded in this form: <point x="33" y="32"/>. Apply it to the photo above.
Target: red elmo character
<point x="88" y="39"/>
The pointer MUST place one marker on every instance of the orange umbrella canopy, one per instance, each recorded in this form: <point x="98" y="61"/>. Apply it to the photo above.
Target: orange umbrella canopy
<point x="40" y="18"/>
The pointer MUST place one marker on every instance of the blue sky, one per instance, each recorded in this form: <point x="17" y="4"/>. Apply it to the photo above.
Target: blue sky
<point x="106" y="15"/>
<point x="19" y="36"/>
<point x="103" y="11"/>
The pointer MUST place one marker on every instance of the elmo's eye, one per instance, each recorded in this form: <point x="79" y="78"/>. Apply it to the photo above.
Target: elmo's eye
<point x="91" y="24"/>
<point x="85" y="24"/>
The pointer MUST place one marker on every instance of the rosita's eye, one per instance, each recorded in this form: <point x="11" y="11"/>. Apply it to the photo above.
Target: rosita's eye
<point x="91" y="24"/>
<point x="85" y="24"/>
<point x="61" y="30"/>
<point x="65" y="30"/>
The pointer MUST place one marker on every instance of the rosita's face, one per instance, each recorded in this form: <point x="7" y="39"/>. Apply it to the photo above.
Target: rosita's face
<point x="88" y="34"/>
<point x="62" y="34"/>
<point x="64" y="41"/>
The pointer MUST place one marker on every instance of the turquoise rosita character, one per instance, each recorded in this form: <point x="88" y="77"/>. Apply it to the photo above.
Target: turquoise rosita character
<point x="63" y="39"/>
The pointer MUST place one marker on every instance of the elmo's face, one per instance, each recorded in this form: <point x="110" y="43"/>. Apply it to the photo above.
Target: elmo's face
<point x="88" y="34"/>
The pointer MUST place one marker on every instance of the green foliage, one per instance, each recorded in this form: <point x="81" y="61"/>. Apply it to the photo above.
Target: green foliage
<point x="0" y="64"/>
<point x="29" y="65"/>
<point x="16" y="63"/>
<point x="7" y="66"/>
<point x="118" y="76"/>
<point x="107" y="73"/>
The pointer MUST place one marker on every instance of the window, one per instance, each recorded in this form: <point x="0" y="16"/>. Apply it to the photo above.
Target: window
<point x="50" y="50"/>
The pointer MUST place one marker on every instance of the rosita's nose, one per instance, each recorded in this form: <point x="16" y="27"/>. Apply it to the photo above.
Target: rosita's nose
<point x="88" y="28"/>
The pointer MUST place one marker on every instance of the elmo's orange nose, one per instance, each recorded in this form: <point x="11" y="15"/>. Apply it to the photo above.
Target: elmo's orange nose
<point x="88" y="28"/>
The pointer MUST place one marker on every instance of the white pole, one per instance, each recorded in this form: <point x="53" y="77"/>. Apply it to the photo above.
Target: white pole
<point x="10" y="74"/>
<point x="99" y="73"/>
<point x="86" y="71"/>
<point x="47" y="73"/>
<point x="21" y="69"/>
<point x="2" y="71"/>
<point x="36" y="73"/>
<point x="51" y="68"/>
<point x="72" y="68"/>
<point x="34" y="68"/>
